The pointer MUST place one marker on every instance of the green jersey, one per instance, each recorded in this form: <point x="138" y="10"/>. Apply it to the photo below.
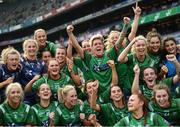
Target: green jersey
<point x="156" y="59"/>
<point x="54" y="84"/>
<point x="152" y="119"/>
<point x="112" y="114"/>
<point x="99" y="67"/>
<point x="87" y="75"/>
<point x="122" y="71"/>
<point x="50" y="46"/>
<point x="14" y="117"/>
<point x="66" y="71"/>
<point x="87" y="110"/>
<point x="68" y="117"/>
<point x="149" y="92"/>
<point x="39" y="115"/>
<point x="132" y="61"/>
<point x="171" y="114"/>
<point x="167" y="81"/>
<point x="104" y="97"/>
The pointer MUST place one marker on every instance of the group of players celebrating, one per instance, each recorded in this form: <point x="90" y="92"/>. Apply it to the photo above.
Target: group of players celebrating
<point x="123" y="80"/>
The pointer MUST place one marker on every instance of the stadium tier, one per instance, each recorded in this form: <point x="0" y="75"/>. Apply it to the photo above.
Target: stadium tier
<point x="90" y="20"/>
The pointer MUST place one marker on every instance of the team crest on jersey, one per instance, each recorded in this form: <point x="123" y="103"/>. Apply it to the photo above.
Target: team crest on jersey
<point x="45" y="123"/>
<point x="99" y="68"/>
<point x="166" y="114"/>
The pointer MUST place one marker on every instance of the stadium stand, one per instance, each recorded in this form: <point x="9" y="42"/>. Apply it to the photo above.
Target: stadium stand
<point x="43" y="7"/>
<point x="25" y="10"/>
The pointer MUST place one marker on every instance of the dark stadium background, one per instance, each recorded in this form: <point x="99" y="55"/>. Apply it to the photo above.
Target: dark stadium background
<point x="111" y="19"/>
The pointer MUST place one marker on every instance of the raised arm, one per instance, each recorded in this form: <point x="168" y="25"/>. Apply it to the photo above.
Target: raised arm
<point x="137" y="13"/>
<point x="135" y="86"/>
<point x="93" y="99"/>
<point x="123" y="56"/>
<point x="28" y="87"/>
<point x="69" y="49"/>
<point x="114" y="73"/>
<point x="75" y="43"/>
<point x="118" y="43"/>
<point x="173" y="59"/>
<point x="163" y="72"/>
<point x="74" y="76"/>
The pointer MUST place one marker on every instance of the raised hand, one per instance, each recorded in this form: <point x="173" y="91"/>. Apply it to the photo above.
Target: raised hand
<point x="126" y="20"/>
<point x="94" y="94"/>
<point x="137" y="9"/>
<point x="164" y="69"/>
<point x="134" y="40"/>
<point x="70" y="64"/>
<point x="136" y="69"/>
<point x="111" y="63"/>
<point x="36" y="77"/>
<point x="70" y="29"/>
<point x="171" y="57"/>
<point x="95" y="83"/>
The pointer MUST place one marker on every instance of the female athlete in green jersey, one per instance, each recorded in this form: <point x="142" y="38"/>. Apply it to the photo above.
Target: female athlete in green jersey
<point x="86" y="110"/>
<point x="163" y="105"/>
<point x="139" y="56"/>
<point x="54" y="79"/>
<point x="150" y="79"/>
<point x="97" y="60"/>
<point x="40" y="36"/>
<point x="43" y="113"/>
<point x="13" y="112"/>
<point x="92" y="85"/>
<point x="66" y="66"/>
<point x="140" y="116"/>
<point x="111" y="112"/>
<point x="68" y="111"/>
<point x="154" y="40"/>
